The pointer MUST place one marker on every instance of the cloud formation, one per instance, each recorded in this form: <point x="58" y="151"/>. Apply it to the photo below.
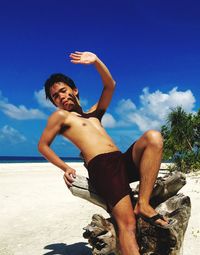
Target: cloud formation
<point x="42" y="101"/>
<point x="108" y="121"/>
<point x="150" y="114"/>
<point x="19" y="112"/>
<point x="10" y="135"/>
<point x="125" y="106"/>
<point x="154" y="108"/>
<point x="84" y="102"/>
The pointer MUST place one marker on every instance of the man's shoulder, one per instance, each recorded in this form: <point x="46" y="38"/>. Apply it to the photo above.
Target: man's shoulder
<point x="58" y="115"/>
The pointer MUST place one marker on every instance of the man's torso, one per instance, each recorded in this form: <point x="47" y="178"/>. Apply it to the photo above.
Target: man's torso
<point x="87" y="133"/>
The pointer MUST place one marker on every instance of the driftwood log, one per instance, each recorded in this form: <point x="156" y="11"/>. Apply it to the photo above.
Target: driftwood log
<point x="102" y="233"/>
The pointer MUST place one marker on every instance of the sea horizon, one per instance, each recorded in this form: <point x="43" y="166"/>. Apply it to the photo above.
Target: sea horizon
<point x="34" y="159"/>
<point x="40" y="159"/>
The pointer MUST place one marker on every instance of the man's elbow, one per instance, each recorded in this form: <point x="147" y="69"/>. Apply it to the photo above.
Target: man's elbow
<point x="41" y="147"/>
<point x="112" y="84"/>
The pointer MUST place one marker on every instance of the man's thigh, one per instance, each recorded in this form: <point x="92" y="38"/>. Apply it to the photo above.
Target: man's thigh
<point x="138" y="150"/>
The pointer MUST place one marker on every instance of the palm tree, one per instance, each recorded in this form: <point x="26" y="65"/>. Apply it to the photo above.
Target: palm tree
<point x="181" y="127"/>
<point x="182" y="138"/>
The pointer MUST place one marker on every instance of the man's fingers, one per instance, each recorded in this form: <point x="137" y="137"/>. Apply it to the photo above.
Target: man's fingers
<point x="68" y="179"/>
<point x="72" y="98"/>
<point x="69" y="176"/>
<point x="74" y="173"/>
<point x="79" y="52"/>
<point x="75" y="61"/>
<point x="67" y="182"/>
<point x="75" y="56"/>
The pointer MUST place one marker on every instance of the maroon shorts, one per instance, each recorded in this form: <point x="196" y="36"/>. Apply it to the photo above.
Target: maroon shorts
<point x="110" y="174"/>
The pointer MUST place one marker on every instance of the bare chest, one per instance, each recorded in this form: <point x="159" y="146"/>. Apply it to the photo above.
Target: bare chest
<point x="78" y="123"/>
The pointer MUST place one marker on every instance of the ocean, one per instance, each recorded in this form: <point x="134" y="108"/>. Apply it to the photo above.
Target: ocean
<point x="28" y="159"/>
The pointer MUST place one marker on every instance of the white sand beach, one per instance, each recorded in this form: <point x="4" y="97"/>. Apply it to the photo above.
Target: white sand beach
<point x="39" y="215"/>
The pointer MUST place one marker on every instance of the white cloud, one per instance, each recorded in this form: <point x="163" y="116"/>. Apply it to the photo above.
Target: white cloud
<point x="108" y="121"/>
<point x="158" y="104"/>
<point x="144" y="122"/>
<point x="42" y="101"/>
<point x="19" y="112"/>
<point x="154" y="108"/>
<point x="11" y="135"/>
<point x="125" y="105"/>
<point x="83" y="102"/>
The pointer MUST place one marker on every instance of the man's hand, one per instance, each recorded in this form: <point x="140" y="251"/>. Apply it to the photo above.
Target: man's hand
<point x="83" y="57"/>
<point x="69" y="176"/>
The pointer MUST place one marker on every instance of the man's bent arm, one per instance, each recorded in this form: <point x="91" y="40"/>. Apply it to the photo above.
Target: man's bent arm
<point x="108" y="83"/>
<point x="51" y="156"/>
<point x="48" y="135"/>
<point x="51" y="130"/>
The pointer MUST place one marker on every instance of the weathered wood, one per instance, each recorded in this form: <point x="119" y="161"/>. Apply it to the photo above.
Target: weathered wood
<point x="165" y="241"/>
<point x="102" y="233"/>
<point x="83" y="189"/>
<point x="164" y="188"/>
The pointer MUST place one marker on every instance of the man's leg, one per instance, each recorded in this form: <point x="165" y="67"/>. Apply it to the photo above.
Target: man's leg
<point x="147" y="155"/>
<point x="124" y="216"/>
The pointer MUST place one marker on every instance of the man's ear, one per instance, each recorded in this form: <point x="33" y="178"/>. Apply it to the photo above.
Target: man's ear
<point x="75" y="91"/>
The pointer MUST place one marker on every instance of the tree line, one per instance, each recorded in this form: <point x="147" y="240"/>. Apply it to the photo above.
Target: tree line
<point x="181" y="134"/>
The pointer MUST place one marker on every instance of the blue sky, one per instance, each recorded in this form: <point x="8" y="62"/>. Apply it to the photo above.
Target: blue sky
<point x="151" y="48"/>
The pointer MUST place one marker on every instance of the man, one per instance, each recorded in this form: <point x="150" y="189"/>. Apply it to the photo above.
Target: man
<point x="110" y="170"/>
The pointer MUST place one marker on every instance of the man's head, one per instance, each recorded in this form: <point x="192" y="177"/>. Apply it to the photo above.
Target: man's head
<point x="61" y="91"/>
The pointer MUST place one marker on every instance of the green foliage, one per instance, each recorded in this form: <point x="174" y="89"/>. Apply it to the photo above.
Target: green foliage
<point x="182" y="140"/>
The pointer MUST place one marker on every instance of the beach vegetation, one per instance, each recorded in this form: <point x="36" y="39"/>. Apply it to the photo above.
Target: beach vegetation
<point x="181" y="134"/>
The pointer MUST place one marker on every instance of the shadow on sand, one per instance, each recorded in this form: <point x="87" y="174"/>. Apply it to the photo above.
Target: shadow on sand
<point x="71" y="249"/>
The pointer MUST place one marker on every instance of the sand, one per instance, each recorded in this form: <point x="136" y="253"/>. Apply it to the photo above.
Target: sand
<point x="39" y="215"/>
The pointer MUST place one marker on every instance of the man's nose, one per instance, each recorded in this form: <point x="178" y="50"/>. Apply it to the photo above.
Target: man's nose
<point x="61" y="96"/>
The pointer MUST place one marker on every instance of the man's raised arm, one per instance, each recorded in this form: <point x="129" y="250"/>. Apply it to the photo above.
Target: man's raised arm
<point x="107" y="80"/>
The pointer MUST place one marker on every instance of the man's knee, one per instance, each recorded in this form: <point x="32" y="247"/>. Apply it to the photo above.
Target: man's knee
<point x="154" y="138"/>
<point x="127" y="224"/>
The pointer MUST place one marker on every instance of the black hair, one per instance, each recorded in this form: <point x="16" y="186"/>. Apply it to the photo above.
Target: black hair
<point x="54" y="78"/>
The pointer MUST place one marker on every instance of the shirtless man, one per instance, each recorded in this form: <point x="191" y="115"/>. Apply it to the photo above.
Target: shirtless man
<point x="109" y="170"/>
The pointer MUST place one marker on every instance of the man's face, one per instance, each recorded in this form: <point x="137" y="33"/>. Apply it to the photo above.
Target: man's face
<point x="64" y="96"/>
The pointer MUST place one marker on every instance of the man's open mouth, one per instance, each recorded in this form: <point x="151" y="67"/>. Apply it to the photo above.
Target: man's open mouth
<point x="65" y="103"/>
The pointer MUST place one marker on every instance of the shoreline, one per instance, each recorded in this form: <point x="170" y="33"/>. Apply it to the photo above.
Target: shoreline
<point x="4" y="165"/>
<point x="39" y="214"/>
